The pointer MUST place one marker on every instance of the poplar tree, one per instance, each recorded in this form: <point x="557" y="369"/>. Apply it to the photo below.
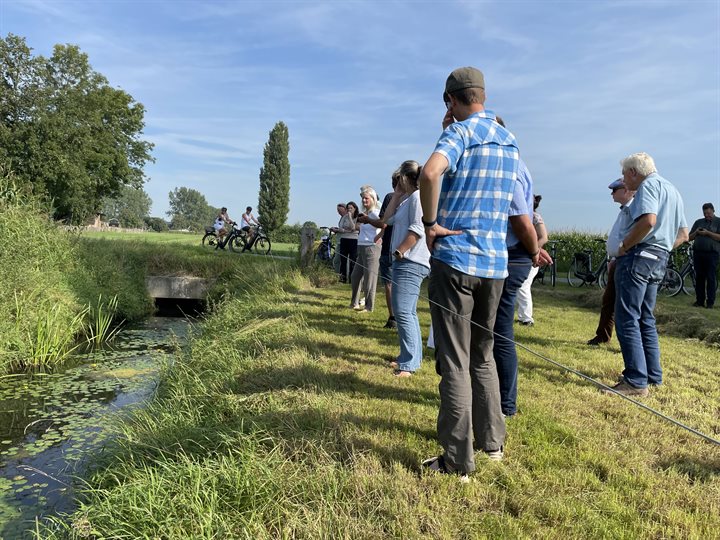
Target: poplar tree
<point x="274" y="197"/>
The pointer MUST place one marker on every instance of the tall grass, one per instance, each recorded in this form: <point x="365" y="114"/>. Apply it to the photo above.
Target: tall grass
<point x="282" y="420"/>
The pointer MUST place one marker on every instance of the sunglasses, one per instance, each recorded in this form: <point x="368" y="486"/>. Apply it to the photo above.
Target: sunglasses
<point x="446" y="99"/>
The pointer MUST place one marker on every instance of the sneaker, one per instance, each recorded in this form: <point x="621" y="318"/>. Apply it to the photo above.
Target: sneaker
<point x="697" y="304"/>
<point x="359" y="307"/>
<point x="495" y="455"/>
<point x="437" y="464"/>
<point x="391" y="323"/>
<point x="626" y="389"/>
<point x="362" y="301"/>
<point x="527" y="323"/>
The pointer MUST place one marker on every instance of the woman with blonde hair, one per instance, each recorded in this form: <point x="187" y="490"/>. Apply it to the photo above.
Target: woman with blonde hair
<point x="368" y="252"/>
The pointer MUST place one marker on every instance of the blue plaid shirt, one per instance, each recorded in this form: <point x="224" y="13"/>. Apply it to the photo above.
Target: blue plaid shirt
<point x="475" y="195"/>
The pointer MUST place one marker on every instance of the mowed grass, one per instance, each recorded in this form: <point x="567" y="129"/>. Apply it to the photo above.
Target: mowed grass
<point x="282" y="420"/>
<point x="180" y="238"/>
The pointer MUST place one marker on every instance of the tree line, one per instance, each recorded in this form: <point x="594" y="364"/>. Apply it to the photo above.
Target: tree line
<point x="70" y="137"/>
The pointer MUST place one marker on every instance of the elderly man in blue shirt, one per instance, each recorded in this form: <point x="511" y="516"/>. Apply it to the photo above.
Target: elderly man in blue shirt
<point x="658" y="227"/>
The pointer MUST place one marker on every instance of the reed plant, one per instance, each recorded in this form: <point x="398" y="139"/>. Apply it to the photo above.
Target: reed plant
<point x="101" y="326"/>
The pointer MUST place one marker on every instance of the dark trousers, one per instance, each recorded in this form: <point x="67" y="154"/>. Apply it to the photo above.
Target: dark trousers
<point x="470" y="416"/>
<point x="607" y="311"/>
<point x="348" y="255"/>
<point x="504" y="352"/>
<point x="706" y="263"/>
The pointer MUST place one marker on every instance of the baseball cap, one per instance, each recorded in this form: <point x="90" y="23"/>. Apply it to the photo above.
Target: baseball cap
<point x="464" y="77"/>
<point x="617" y="184"/>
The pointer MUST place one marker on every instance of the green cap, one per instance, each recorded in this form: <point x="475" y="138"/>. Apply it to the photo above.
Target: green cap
<point x="464" y="77"/>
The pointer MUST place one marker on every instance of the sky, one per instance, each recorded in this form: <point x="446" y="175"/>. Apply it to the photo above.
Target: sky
<point x="359" y="84"/>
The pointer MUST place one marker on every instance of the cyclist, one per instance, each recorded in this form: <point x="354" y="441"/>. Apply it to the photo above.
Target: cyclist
<point x="247" y="222"/>
<point x="219" y="225"/>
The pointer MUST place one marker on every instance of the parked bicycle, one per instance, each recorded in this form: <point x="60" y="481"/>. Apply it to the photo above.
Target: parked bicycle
<point x="686" y="271"/>
<point x="540" y="276"/>
<point x="325" y="251"/>
<point x="581" y="269"/>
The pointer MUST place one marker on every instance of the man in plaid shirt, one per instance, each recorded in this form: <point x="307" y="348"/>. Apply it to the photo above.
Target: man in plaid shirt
<point x="465" y="222"/>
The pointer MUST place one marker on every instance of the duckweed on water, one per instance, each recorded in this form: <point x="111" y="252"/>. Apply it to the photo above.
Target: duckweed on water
<point x="52" y="425"/>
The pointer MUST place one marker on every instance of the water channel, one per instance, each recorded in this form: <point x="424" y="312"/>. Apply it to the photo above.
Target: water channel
<point x="52" y="425"/>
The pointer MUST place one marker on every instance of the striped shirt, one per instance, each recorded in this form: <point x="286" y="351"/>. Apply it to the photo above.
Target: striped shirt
<point x="475" y="195"/>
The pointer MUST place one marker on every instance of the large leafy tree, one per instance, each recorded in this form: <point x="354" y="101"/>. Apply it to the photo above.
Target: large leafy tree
<point x="130" y="207"/>
<point x="66" y="131"/>
<point x="190" y="210"/>
<point x="274" y="198"/>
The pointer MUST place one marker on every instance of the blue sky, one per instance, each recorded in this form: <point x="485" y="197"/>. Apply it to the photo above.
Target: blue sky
<point x="359" y="84"/>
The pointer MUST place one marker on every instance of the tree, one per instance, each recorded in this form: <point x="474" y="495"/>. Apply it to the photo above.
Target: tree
<point x="156" y="224"/>
<point x="66" y="131"/>
<point x="274" y="198"/>
<point x="130" y="207"/>
<point x="190" y="210"/>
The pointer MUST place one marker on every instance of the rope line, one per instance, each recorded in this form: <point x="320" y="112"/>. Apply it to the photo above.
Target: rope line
<point x="566" y="368"/>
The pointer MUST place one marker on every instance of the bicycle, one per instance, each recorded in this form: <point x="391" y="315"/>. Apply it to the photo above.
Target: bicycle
<point x="540" y="276"/>
<point x="581" y="270"/>
<point x="325" y="251"/>
<point x="687" y="271"/>
<point x="260" y="241"/>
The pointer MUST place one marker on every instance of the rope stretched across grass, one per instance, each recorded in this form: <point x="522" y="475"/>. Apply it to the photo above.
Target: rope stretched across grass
<point x="570" y="370"/>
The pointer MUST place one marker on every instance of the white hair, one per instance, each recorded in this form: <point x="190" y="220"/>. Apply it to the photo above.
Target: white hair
<point x="368" y="190"/>
<point x="641" y="162"/>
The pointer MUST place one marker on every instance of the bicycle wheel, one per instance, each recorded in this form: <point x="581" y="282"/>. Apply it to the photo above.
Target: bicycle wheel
<point x="262" y="245"/>
<point x="688" y="283"/>
<point x="671" y="283"/>
<point x="236" y="244"/>
<point x="603" y="277"/>
<point x="209" y="240"/>
<point x="572" y="279"/>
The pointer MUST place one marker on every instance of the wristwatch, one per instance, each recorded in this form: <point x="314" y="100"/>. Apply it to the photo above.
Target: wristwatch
<point x="398" y="255"/>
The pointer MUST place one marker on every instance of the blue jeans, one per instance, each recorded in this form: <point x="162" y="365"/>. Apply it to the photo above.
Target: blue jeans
<point x="407" y="278"/>
<point x="519" y="265"/>
<point x="637" y="275"/>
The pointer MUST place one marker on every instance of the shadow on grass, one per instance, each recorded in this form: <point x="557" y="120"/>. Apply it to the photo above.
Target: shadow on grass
<point x="311" y="378"/>
<point x="698" y="472"/>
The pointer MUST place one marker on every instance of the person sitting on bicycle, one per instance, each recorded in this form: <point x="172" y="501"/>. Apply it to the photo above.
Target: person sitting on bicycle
<point x="220" y="221"/>
<point x="247" y="222"/>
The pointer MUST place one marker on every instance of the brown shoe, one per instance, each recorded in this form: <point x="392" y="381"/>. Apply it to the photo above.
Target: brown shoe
<point x="626" y="389"/>
<point x="594" y="342"/>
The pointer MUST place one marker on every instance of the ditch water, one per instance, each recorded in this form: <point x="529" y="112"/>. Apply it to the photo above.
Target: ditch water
<point x="51" y="426"/>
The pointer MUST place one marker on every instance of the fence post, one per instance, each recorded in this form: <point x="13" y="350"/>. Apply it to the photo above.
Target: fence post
<point x="307" y="242"/>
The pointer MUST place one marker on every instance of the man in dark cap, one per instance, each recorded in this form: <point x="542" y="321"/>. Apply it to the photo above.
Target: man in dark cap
<point x="622" y="196"/>
<point x="465" y="189"/>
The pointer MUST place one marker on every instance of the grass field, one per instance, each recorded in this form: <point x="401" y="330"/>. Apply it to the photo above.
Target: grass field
<point x="283" y="421"/>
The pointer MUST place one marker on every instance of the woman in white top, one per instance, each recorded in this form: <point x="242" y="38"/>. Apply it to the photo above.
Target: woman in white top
<point x="219" y="225"/>
<point x="411" y="265"/>
<point x="368" y="254"/>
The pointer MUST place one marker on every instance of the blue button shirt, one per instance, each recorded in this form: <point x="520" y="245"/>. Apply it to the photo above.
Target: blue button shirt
<point x="522" y="202"/>
<point x="658" y="196"/>
<point x="475" y="195"/>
